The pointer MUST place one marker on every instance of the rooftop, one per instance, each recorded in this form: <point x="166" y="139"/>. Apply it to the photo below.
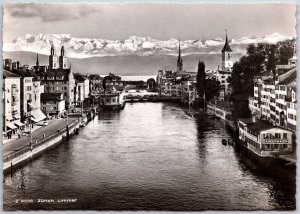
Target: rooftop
<point x="7" y="74"/>
<point x="51" y="97"/>
<point x="258" y="125"/>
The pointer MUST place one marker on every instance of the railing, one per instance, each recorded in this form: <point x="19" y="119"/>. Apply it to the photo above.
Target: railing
<point x="38" y="143"/>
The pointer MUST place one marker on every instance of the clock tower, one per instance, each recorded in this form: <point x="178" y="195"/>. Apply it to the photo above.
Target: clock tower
<point x="53" y="59"/>
<point x="226" y="56"/>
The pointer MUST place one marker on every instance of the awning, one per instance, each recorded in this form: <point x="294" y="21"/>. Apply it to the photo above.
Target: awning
<point x="18" y="123"/>
<point x="11" y="125"/>
<point x="37" y="115"/>
<point x="9" y="118"/>
<point x="17" y="116"/>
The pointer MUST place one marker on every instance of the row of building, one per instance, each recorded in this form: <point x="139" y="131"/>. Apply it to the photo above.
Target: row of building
<point x="30" y="94"/>
<point x="272" y="128"/>
<point x="181" y="83"/>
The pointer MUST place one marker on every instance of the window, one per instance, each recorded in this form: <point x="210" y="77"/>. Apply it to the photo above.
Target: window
<point x="34" y="97"/>
<point x="114" y="100"/>
<point x="107" y="100"/>
<point x="284" y="135"/>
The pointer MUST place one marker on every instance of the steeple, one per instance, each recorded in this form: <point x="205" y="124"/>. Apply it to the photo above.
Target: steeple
<point x="179" y="60"/>
<point x="226" y="55"/>
<point x="62" y="51"/>
<point x="37" y="60"/>
<point x="53" y="61"/>
<point x="62" y="59"/>
<point x="226" y="47"/>
<point x="52" y="50"/>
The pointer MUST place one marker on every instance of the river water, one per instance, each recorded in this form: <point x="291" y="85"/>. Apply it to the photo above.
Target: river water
<point x="149" y="156"/>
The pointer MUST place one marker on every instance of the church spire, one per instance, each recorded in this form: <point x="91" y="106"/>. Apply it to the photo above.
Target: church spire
<point x="62" y="51"/>
<point x="37" y="60"/>
<point x="52" y="50"/>
<point x="179" y="53"/>
<point x="179" y="60"/>
<point x="226" y="47"/>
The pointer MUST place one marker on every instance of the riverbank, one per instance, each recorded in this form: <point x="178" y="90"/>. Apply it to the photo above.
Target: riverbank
<point x="18" y="152"/>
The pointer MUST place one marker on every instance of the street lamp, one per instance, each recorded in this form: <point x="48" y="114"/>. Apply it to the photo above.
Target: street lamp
<point x="29" y="109"/>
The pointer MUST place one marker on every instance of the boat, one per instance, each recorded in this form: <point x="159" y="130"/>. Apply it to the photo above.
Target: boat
<point x="112" y="101"/>
<point x="224" y="142"/>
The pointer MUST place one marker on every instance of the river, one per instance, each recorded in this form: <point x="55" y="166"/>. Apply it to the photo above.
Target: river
<point x="149" y="156"/>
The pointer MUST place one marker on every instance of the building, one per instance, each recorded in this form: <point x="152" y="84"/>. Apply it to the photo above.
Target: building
<point x="82" y="87"/>
<point x="29" y="95"/>
<point x="220" y="109"/>
<point x="264" y="139"/>
<point x="11" y="103"/>
<point x="53" y="104"/>
<point x="222" y="74"/>
<point x="95" y="82"/>
<point x="58" y="77"/>
<point x="274" y="98"/>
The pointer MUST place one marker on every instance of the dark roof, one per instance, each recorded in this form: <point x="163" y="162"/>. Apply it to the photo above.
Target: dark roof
<point x="59" y="72"/>
<point x="226" y="47"/>
<point x="290" y="79"/>
<point x="23" y="72"/>
<point x="245" y="120"/>
<point x="258" y="125"/>
<point x="33" y="74"/>
<point x="224" y="72"/>
<point x="51" y="97"/>
<point x="7" y="73"/>
<point x="95" y="77"/>
<point x="79" y="77"/>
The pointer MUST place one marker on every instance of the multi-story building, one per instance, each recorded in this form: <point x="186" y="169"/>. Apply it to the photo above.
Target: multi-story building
<point x="11" y="102"/>
<point x="57" y="77"/>
<point x="82" y="87"/>
<point x="53" y="104"/>
<point x="29" y="95"/>
<point x="95" y="82"/>
<point x="264" y="139"/>
<point x="274" y="97"/>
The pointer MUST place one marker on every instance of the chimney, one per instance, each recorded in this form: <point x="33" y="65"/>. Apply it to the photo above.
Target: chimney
<point x="18" y="64"/>
<point x="254" y="117"/>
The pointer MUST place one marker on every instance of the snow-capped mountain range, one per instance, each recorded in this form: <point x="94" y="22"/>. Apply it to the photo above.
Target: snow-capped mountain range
<point x="134" y="45"/>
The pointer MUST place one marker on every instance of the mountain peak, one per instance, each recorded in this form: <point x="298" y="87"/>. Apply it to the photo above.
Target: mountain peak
<point x="136" y="45"/>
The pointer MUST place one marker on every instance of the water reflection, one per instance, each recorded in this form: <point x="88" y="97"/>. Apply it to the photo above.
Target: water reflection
<point x="151" y="156"/>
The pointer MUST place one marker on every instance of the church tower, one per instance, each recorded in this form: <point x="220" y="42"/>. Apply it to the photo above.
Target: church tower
<point x="226" y="56"/>
<point x="53" y="61"/>
<point x="62" y="59"/>
<point x="179" y="60"/>
<point x="293" y="60"/>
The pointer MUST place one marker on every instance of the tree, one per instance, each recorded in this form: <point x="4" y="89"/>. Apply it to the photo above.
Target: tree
<point x="151" y="83"/>
<point x="201" y="79"/>
<point x="260" y="57"/>
<point x="212" y="88"/>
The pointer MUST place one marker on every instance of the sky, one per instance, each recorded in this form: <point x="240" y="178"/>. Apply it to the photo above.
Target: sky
<point x="157" y="20"/>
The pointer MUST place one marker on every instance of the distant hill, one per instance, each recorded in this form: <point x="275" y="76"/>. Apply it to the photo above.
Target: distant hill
<point x="125" y="65"/>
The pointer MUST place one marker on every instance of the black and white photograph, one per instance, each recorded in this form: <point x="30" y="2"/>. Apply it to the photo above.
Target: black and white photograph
<point x="149" y="106"/>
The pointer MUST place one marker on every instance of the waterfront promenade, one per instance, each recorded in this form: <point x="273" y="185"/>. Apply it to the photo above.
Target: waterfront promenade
<point x="23" y="142"/>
